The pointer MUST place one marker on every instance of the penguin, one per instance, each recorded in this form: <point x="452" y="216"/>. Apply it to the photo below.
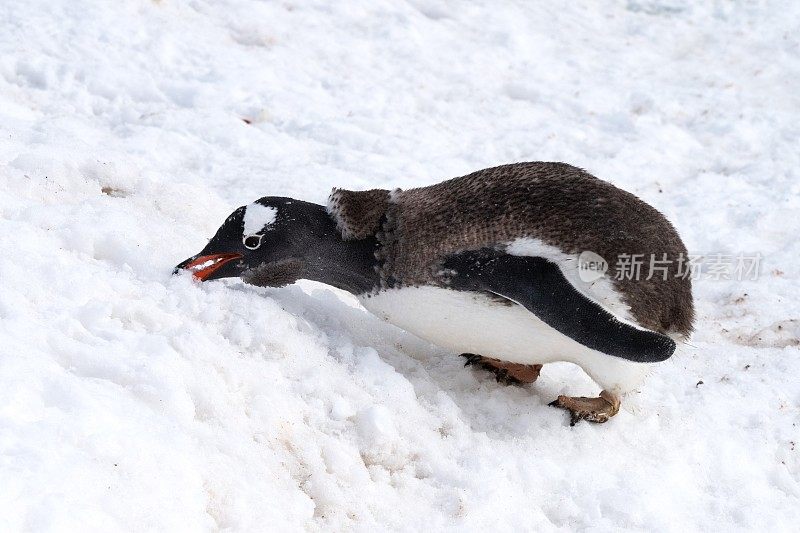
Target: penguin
<point x="491" y="265"/>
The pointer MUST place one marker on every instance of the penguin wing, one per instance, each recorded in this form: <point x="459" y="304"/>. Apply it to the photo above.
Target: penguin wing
<point x="539" y="285"/>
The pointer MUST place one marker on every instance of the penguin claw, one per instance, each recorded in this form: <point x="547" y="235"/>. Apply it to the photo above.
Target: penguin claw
<point x="501" y="376"/>
<point x="598" y="410"/>
<point x="575" y="415"/>
<point x="471" y="358"/>
<point x="505" y="373"/>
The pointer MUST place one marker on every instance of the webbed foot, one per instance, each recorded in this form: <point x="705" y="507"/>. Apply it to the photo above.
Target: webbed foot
<point x="597" y="410"/>
<point x="505" y="372"/>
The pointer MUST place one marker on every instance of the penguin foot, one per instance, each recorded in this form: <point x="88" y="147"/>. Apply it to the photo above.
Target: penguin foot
<point x="597" y="410"/>
<point x="505" y="373"/>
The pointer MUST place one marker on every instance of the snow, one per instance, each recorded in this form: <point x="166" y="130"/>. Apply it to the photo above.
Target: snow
<point x="134" y="400"/>
<point x="257" y="217"/>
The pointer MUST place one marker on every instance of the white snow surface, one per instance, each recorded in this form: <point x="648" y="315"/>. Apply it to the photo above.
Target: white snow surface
<point x="134" y="400"/>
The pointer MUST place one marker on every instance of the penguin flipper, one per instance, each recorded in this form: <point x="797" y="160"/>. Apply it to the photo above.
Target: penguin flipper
<point x="539" y="285"/>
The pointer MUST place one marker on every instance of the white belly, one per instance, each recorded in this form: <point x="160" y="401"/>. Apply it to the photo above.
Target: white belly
<point x="474" y="323"/>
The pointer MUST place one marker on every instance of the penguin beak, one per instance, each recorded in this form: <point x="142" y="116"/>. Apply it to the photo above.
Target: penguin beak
<point x="202" y="267"/>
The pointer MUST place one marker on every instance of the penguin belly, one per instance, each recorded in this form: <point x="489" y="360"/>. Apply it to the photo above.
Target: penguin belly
<point x="471" y="322"/>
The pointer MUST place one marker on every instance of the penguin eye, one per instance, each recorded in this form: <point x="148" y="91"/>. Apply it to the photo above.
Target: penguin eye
<point x="252" y="242"/>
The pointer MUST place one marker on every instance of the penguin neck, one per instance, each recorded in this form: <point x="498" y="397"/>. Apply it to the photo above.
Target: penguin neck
<point x="349" y="265"/>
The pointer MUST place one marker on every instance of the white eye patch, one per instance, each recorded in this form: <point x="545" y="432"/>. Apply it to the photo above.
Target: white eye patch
<point x="257" y="217"/>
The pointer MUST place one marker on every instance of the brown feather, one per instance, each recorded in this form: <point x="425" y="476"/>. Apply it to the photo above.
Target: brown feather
<point x="559" y="204"/>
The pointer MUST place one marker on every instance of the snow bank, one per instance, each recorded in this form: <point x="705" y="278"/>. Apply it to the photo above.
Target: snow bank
<point x="134" y="400"/>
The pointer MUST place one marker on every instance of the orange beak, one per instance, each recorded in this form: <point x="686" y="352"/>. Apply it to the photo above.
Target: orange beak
<point x="205" y="265"/>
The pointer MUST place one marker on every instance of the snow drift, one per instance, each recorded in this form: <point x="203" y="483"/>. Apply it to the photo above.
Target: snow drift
<point x="134" y="400"/>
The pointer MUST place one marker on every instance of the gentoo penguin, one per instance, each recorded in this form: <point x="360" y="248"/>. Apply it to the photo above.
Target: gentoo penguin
<point x="487" y="265"/>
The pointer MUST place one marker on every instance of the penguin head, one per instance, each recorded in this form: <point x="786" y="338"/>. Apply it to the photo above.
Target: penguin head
<point x="265" y="243"/>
